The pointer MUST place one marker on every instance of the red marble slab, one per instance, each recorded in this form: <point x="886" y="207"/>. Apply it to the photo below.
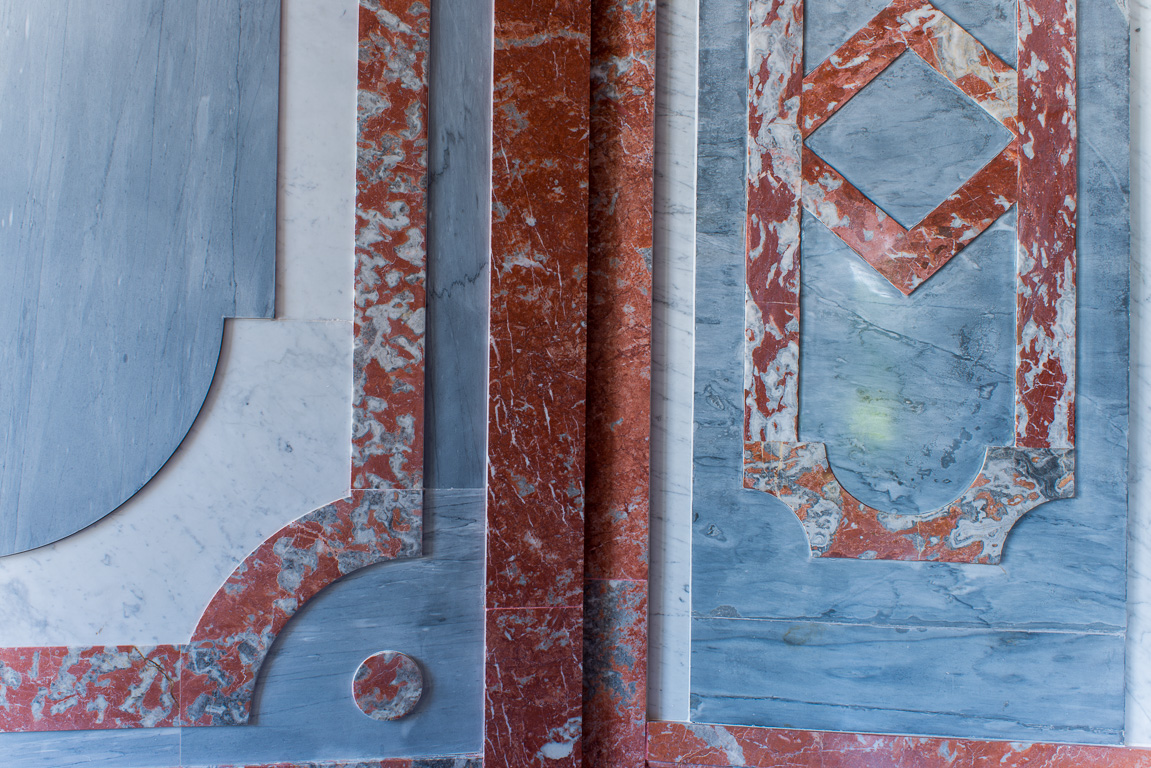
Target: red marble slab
<point x="619" y="287"/>
<point x="615" y="674"/>
<point x="538" y="347"/>
<point x="620" y="233"/>
<point x="391" y="247"/>
<point x="239" y="626"/>
<point x="687" y="745"/>
<point x="532" y="687"/>
<point x="88" y="688"/>
<point x="774" y="208"/>
<point x="1045" y="301"/>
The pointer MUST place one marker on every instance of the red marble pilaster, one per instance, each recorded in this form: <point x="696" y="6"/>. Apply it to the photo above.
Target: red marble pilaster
<point x="1045" y="301"/>
<point x="538" y="360"/>
<point x="391" y="247"/>
<point x="620" y="222"/>
<point x="689" y="745"/>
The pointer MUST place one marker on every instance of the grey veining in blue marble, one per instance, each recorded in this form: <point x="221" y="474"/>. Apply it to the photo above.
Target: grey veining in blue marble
<point x="909" y="139"/>
<point x="907" y="391"/>
<point x="137" y="210"/>
<point x="459" y="243"/>
<point x="1060" y="590"/>
<point x="829" y="23"/>
<point x="937" y="682"/>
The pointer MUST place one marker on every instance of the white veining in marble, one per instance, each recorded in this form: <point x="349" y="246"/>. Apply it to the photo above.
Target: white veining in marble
<point x="272" y="441"/>
<point x="271" y="444"/>
<point x="318" y="69"/>
<point x="1138" y="730"/>
<point x="672" y="370"/>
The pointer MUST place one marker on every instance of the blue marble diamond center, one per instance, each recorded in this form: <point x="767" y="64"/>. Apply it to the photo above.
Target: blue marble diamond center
<point x="909" y="139"/>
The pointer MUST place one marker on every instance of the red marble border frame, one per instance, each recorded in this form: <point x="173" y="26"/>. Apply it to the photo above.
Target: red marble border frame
<point x="210" y="680"/>
<point x="1038" y="105"/>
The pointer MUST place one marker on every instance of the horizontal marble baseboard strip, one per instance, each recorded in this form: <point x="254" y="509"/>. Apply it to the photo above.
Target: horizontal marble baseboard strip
<point x="691" y="745"/>
<point x="464" y="761"/>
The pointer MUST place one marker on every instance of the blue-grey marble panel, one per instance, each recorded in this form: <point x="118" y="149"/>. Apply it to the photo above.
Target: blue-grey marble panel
<point x="137" y="210"/>
<point x="147" y="748"/>
<point x="430" y="609"/>
<point x="829" y="23"/>
<point x="909" y="139"/>
<point x="1062" y="578"/>
<point x="459" y="244"/>
<point x="907" y="391"/>
<point x="981" y="684"/>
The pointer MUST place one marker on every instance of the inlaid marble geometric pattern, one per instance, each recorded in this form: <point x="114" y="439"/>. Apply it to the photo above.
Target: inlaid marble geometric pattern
<point x="907" y="257"/>
<point x="909" y="139"/>
<point x="388" y="685"/>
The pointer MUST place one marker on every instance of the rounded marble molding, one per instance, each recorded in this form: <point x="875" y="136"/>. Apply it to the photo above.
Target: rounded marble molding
<point x="388" y="685"/>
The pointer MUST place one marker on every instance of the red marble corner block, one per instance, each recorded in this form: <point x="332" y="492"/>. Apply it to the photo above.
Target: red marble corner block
<point x="1045" y="301"/>
<point x="615" y="674"/>
<point x="533" y="688"/>
<point x="239" y="626"/>
<point x="620" y="288"/>
<point x="538" y="347"/>
<point x="694" y="746"/>
<point x="391" y="248"/>
<point x="88" y="688"/>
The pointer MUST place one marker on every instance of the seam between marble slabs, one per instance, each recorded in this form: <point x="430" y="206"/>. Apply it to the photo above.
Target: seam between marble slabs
<point x="982" y="628"/>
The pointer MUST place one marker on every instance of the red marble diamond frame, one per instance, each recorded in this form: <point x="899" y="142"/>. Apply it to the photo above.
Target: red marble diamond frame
<point x="784" y="176"/>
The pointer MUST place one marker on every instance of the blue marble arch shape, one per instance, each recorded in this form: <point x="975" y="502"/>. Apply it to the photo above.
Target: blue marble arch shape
<point x="137" y="210"/>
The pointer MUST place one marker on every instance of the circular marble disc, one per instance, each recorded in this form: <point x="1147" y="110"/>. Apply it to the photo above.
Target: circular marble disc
<point x="388" y="685"/>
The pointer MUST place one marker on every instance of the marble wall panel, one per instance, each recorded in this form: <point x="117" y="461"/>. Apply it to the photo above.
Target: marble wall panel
<point x="164" y="172"/>
<point x="750" y="562"/>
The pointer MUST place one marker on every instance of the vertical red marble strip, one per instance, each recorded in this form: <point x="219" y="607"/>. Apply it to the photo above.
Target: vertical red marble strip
<point x="1045" y="302"/>
<point x="535" y="552"/>
<point x="774" y="206"/>
<point x="620" y="223"/>
<point x="391" y="249"/>
<point x="686" y="744"/>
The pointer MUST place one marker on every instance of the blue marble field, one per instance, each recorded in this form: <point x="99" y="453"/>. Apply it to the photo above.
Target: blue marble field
<point x="907" y="392"/>
<point x="137" y="211"/>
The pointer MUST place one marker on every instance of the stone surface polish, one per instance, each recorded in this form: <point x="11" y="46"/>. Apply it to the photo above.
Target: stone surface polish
<point x="137" y="210"/>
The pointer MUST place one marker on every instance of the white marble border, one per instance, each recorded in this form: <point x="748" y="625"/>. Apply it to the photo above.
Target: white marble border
<point x="273" y="439"/>
<point x="673" y="345"/>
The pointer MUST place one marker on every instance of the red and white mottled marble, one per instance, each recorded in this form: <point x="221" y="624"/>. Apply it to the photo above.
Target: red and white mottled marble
<point x="241" y="623"/>
<point x="67" y="689"/>
<point x="771" y="366"/>
<point x="686" y="745"/>
<point x="537" y="392"/>
<point x="391" y="247"/>
<point x="1045" y="301"/>
<point x="971" y="529"/>
<point x="620" y="234"/>
<point x="388" y="685"/>
<point x="533" y="693"/>
<point x="908" y="258"/>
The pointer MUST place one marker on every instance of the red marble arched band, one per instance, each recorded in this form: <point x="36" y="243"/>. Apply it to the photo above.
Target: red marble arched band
<point x="224" y="656"/>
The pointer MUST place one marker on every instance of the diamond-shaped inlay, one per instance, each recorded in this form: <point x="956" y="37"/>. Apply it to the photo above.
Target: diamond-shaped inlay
<point x="909" y="139"/>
